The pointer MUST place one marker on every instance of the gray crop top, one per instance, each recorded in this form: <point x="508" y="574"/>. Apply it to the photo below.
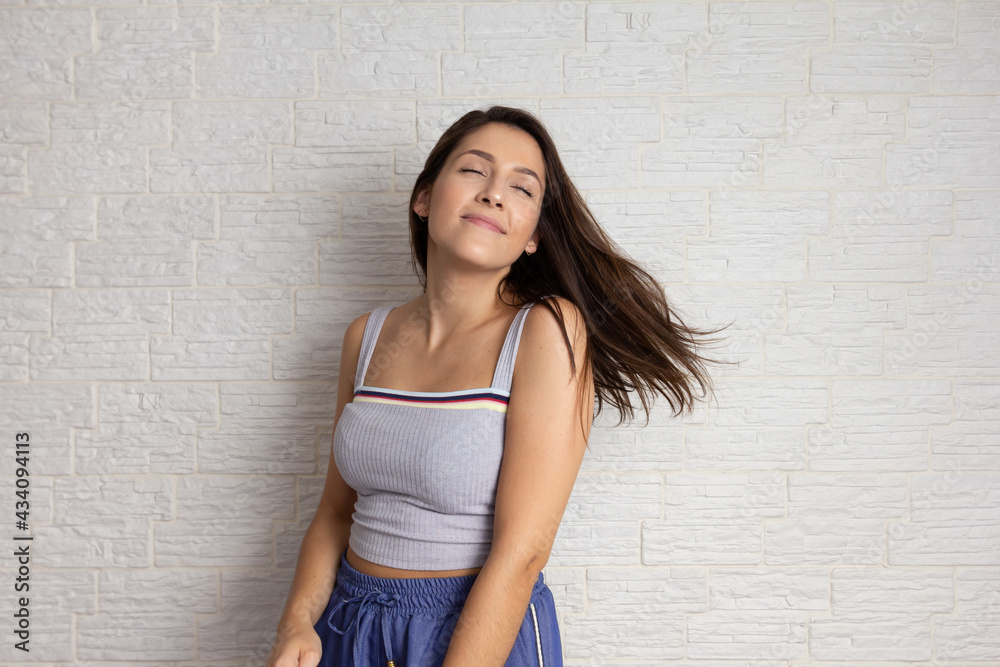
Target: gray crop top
<point x="425" y="465"/>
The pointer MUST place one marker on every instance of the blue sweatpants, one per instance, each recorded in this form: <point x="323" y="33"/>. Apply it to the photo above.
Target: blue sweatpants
<point x="371" y="621"/>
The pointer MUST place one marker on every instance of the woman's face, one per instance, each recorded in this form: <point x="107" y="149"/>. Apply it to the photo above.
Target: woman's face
<point x="484" y="206"/>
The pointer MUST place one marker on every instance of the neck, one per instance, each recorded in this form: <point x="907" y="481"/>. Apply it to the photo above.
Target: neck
<point x="457" y="300"/>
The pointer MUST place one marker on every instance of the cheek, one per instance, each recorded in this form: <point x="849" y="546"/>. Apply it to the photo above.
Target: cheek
<point x="530" y="217"/>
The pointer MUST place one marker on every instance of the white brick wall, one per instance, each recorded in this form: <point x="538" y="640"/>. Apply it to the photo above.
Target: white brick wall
<point x="195" y="200"/>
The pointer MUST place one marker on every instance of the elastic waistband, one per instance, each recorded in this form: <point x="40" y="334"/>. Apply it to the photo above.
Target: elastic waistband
<point x="424" y="593"/>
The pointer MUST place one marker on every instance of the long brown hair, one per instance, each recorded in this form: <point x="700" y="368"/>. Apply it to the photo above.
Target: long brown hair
<point x="636" y="341"/>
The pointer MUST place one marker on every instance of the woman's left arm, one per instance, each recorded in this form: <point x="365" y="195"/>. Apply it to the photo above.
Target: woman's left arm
<point x="548" y="423"/>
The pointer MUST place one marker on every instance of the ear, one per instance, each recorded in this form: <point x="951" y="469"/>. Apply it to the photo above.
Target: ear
<point x="422" y="203"/>
<point x="532" y="244"/>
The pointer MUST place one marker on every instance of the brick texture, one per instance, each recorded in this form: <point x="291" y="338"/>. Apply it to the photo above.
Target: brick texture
<point x="197" y="198"/>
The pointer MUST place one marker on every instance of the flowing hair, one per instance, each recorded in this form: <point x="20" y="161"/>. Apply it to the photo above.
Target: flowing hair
<point x="636" y="341"/>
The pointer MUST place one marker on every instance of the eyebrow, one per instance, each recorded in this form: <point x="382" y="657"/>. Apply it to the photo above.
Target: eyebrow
<point x="518" y="168"/>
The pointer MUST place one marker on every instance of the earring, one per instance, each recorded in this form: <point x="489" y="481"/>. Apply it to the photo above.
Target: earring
<point x="423" y="219"/>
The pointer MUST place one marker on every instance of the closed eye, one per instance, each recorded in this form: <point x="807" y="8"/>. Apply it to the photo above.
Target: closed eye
<point x="518" y="187"/>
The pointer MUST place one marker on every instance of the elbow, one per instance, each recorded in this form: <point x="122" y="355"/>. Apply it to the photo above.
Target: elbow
<point x="521" y="562"/>
<point x="537" y="560"/>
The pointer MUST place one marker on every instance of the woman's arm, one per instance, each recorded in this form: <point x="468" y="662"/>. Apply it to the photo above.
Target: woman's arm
<point x="548" y="423"/>
<point x="326" y="538"/>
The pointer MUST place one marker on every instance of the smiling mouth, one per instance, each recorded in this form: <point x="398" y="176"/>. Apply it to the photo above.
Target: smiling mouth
<point x="484" y="222"/>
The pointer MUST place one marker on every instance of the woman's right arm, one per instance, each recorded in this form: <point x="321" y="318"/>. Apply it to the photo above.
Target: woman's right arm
<point x="297" y="644"/>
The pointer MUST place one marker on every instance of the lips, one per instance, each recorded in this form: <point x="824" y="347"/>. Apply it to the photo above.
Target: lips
<point x="484" y="221"/>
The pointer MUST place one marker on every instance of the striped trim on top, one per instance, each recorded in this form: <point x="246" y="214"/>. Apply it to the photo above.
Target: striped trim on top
<point x="464" y="399"/>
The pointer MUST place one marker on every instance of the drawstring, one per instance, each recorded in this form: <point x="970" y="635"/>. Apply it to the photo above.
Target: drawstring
<point x="371" y="598"/>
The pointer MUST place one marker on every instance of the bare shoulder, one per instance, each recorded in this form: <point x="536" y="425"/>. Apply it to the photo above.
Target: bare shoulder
<point x="351" y="349"/>
<point x="551" y="404"/>
<point x="542" y="344"/>
<point x="542" y="325"/>
<point x="356" y="329"/>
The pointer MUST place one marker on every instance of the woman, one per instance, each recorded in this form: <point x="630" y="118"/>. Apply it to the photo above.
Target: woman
<point x="445" y="488"/>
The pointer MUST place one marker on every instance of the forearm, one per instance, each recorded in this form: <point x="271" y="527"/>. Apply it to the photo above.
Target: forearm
<point x="492" y="615"/>
<point x="315" y="571"/>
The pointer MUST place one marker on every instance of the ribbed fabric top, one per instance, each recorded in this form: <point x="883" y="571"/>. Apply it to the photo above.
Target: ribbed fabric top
<point x="425" y="464"/>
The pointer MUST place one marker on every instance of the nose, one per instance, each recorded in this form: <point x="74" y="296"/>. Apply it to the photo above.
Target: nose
<point x="491" y="194"/>
<point x="495" y="201"/>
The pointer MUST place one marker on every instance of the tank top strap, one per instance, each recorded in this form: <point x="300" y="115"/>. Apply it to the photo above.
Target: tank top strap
<point x="504" y="373"/>
<point x="372" y="328"/>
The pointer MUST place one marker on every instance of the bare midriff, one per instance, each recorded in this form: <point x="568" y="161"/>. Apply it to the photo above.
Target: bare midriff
<point x="375" y="570"/>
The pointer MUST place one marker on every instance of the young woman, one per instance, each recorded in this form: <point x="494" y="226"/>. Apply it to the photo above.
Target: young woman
<point x="463" y="416"/>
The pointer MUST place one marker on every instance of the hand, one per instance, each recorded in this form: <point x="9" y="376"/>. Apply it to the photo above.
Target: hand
<point x="296" y="646"/>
